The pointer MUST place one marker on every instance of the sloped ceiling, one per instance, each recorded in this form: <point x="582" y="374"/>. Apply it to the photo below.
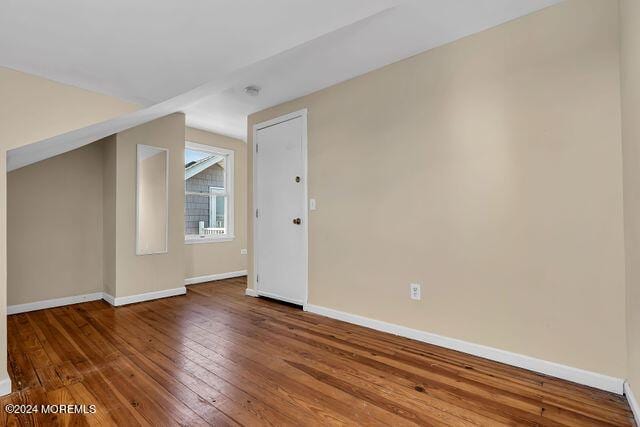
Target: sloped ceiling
<point x="148" y="51"/>
<point x="198" y="56"/>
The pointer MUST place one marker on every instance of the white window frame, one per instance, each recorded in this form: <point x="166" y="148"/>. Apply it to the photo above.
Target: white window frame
<point x="229" y="190"/>
<point x="213" y="208"/>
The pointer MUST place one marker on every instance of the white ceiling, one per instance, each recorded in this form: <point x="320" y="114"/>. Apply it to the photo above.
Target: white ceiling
<point x="148" y="51"/>
<point x="412" y="27"/>
<point x="197" y="56"/>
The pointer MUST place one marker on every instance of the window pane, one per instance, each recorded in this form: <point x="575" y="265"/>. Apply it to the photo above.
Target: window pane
<point x="204" y="170"/>
<point x="196" y="214"/>
<point x="207" y="201"/>
<point x="218" y="215"/>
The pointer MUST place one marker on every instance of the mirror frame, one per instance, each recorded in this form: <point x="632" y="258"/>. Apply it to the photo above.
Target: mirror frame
<point x="139" y="148"/>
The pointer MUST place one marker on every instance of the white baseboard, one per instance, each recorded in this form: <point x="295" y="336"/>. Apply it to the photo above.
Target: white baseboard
<point x="59" y="302"/>
<point x="50" y="303"/>
<point x="214" y="277"/>
<point x="251" y="292"/>
<point x="633" y="402"/>
<point x="132" y="299"/>
<point x="109" y="298"/>
<point x="5" y="386"/>
<point x="557" y="370"/>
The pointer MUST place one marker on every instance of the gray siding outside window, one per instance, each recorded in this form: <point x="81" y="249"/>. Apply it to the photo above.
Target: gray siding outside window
<point x="196" y="208"/>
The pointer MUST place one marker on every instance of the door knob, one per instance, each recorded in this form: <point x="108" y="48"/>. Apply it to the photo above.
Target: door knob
<point x="297" y="221"/>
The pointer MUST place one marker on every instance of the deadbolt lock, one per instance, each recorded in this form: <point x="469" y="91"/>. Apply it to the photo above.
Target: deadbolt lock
<point x="297" y="179"/>
<point x="297" y="221"/>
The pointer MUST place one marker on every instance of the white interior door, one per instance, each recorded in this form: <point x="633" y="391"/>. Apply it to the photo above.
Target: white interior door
<point x="281" y="217"/>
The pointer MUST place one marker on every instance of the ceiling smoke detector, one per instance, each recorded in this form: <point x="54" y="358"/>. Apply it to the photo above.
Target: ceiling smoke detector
<point x="252" y="90"/>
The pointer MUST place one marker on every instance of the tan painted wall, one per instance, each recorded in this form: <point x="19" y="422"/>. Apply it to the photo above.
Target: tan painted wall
<point x="630" y="72"/>
<point x="148" y="273"/>
<point x="64" y="204"/>
<point x="3" y="261"/>
<point x="54" y="230"/>
<point x="32" y="109"/>
<point x="490" y="171"/>
<point x="205" y="259"/>
<point x="58" y="209"/>
<point x="109" y="179"/>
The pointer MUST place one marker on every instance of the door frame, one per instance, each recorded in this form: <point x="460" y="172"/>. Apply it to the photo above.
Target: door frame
<point x="305" y="212"/>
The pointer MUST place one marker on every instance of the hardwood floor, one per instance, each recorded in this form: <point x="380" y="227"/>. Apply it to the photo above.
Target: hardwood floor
<point x="216" y="357"/>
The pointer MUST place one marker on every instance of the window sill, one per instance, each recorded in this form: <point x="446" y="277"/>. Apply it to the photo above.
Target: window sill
<point x="198" y="240"/>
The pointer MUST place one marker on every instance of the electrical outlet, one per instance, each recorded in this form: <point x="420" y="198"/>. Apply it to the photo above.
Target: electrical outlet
<point x="416" y="293"/>
<point x="243" y="251"/>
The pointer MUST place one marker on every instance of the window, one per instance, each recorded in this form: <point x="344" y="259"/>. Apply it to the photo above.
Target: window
<point x="208" y="184"/>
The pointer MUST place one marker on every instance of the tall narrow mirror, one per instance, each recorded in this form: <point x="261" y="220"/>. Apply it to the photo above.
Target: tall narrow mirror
<point x="152" y="200"/>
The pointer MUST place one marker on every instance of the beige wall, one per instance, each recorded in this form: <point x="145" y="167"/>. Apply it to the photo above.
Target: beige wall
<point x="54" y="232"/>
<point x="32" y="109"/>
<point x="148" y="273"/>
<point x="630" y="71"/>
<point x="109" y="179"/>
<point x="490" y="171"/>
<point x="72" y="220"/>
<point x="64" y="203"/>
<point x="204" y="259"/>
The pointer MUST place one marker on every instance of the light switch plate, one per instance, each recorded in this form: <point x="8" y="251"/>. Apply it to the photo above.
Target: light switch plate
<point x="312" y="204"/>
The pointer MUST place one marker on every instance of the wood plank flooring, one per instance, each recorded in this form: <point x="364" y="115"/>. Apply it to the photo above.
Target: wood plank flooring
<point x="216" y="357"/>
